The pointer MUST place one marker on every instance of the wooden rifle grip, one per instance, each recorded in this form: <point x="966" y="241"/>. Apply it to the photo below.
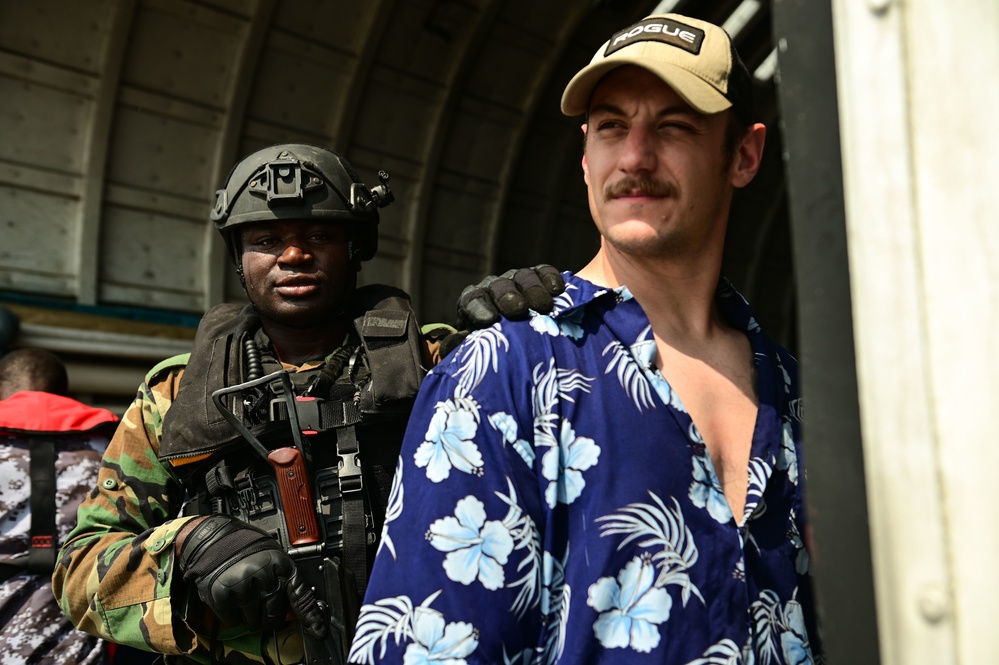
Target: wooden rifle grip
<point x="296" y="496"/>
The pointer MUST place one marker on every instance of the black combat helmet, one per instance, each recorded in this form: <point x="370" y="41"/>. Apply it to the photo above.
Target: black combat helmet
<point x="296" y="181"/>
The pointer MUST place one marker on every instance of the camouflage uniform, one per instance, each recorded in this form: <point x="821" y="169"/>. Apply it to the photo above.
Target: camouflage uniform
<point x="32" y="627"/>
<point x="115" y="574"/>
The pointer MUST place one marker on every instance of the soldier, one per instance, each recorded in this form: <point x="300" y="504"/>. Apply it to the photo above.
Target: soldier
<point x="50" y="450"/>
<point x="282" y="428"/>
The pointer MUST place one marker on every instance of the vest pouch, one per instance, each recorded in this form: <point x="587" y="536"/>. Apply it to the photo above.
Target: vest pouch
<point x="391" y="342"/>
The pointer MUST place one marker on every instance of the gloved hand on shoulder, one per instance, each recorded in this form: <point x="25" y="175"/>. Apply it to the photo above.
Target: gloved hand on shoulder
<point x="241" y="573"/>
<point x="510" y="295"/>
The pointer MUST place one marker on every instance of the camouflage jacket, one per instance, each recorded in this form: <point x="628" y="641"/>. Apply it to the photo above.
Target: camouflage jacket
<point x="116" y="575"/>
<point x="32" y="627"/>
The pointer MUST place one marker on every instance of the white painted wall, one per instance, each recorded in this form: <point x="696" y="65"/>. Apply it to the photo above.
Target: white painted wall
<point x="919" y="106"/>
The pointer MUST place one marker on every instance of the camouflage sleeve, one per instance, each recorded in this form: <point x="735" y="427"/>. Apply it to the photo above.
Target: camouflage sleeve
<point x="115" y="572"/>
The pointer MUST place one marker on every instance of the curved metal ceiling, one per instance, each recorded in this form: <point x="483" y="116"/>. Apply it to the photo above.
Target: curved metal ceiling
<point x="122" y="117"/>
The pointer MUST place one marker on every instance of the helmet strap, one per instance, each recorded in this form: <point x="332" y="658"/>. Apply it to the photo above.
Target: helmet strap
<point x="234" y="246"/>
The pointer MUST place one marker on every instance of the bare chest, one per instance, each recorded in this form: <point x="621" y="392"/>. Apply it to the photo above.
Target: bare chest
<point x="717" y="392"/>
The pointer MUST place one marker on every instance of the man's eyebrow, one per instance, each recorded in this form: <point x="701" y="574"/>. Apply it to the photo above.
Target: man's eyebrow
<point x="674" y="110"/>
<point x="609" y="109"/>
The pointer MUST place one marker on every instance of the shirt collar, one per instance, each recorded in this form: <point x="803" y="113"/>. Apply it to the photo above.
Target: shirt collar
<point x="580" y="293"/>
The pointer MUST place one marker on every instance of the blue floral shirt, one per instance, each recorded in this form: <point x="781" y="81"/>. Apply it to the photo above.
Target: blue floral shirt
<point x="555" y="503"/>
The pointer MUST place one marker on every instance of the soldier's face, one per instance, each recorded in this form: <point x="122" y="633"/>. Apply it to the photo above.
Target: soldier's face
<point x="297" y="272"/>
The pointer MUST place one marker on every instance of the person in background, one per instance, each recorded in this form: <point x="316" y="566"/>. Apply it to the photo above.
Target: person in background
<point x="50" y="450"/>
<point x="619" y="481"/>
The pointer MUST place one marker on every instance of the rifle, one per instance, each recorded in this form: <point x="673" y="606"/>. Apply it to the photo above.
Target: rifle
<point x="317" y="590"/>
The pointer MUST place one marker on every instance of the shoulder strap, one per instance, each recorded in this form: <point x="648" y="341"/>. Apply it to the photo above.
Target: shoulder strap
<point x="42" y="553"/>
<point x="41" y="556"/>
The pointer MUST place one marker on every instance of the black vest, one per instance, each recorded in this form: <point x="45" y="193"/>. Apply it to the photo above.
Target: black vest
<point x="355" y="424"/>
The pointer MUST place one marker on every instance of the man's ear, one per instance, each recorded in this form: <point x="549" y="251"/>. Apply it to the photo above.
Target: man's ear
<point x="354" y="251"/>
<point x="749" y="155"/>
<point x="586" y="168"/>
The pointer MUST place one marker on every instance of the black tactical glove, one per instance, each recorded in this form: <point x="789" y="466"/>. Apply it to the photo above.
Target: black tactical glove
<point x="510" y="294"/>
<point x="240" y="572"/>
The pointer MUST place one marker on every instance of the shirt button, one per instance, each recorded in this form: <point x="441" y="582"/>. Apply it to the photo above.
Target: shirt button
<point x="110" y="484"/>
<point x="158" y="545"/>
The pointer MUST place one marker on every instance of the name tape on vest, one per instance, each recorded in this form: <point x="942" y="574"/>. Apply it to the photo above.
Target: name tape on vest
<point x="667" y="31"/>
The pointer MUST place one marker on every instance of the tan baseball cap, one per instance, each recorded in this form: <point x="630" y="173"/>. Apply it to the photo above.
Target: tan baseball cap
<point x="695" y="58"/>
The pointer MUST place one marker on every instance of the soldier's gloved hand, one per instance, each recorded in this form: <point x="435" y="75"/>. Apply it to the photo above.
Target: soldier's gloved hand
<point x="510" y="294"/>
<point x="306" y="606"/>
<point x="240" y="572"/>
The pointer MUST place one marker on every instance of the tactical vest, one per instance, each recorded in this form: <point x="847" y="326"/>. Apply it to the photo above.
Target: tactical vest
<point x="351" y="414"/>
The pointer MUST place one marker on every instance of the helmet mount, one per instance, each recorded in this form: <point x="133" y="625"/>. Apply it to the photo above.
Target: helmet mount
<point x="298" y="181"/>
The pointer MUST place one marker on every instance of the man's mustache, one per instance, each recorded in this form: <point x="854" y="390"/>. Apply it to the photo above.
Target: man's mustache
<point x="644" y="186"/>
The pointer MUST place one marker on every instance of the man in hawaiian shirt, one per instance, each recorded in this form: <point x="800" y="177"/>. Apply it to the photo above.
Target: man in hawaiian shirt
<point x="618" y="481"/>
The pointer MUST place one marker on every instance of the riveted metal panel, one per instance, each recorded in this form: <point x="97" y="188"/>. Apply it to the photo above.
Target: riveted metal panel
<point x="398" y="112"/>
<point x="428" y="39"/>
<point x="460" y="199"/>
<point x="49" y="125"/>
<point x="69" y="33"/>
<point x="164" y="154"/>
<point x="53" y="76"/>
<point x="445" y="273"/>
<point x="260" y="134"/>
<point x="299" y="84"/>
<point x="242" y="8"/>
<point x="480" y="139"/>
<point x="24" y="176"/>
<point x="507" y="69"/>
<point x="38" y="240"/>
<point x="339" y="24"/>
<point x="183" y="50"/>
<point x="539" y="174"/>
<point x="151" y="260"/>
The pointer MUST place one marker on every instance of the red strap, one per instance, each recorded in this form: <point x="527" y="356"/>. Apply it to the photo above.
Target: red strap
<point x="42" y="542"/>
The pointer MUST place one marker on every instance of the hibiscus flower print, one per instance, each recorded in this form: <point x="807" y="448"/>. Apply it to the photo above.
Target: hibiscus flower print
<point x="571" y="324"/>
<point x="794" y="640"/>
<point x="706" y="491"/>
<point x="544" y="324"/>
<point x="631" y="607"/>
<point x="449" y="443"/>
<point x="435" y="642"/>
<point x="564" y="464"/>
<point x="476" y="549"/>
<point x="787" y="458"/>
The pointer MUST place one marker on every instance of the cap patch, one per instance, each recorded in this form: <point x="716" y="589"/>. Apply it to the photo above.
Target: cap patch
<point x="663" y="30"/>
